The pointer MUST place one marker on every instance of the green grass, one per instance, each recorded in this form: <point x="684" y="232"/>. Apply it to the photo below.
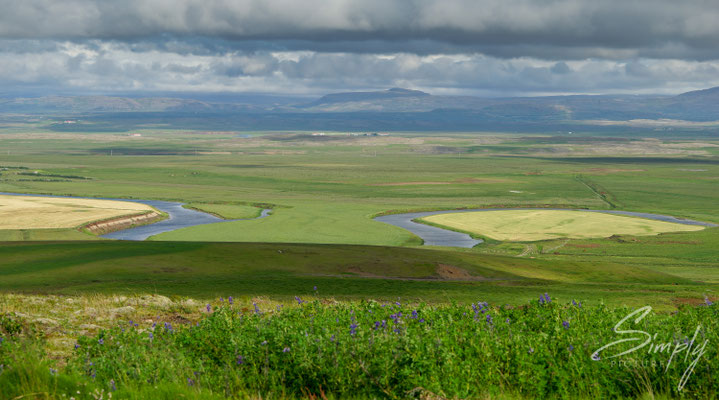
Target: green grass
<point x="323" y="197"/>
<point x="227" y="211"/>
<point x="206" y="270"/>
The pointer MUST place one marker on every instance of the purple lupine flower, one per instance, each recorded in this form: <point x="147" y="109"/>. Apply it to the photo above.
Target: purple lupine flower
<point x="353" y="329"/>
<point x="286" y="350"/>
<point x="257" y="309"/>
<point x="240" y="360"/>
<point x="209" y="308"/>
<point x="190" y="382"/>
<point x="131" y="323"/>
<point x="230" y="300"/>
<point x="2" y="339"/>
<point x="707" y="301"/>
<point x="53" y="371"/>
<point x="531" y="350"/>
<point x="546" y="297"/>
<point x="414" y="314"/>
<point x="507" y="321"/>
<point x="112" y="385"/>
<point x="222" y="300"/>
<point x="570" y="348"/>
<point x="565" y="324"/>
<point x="332" y="338"/>
<point x="101" y="341"/>
<point x="299" y="301"/>
<point x="314" y="288"/>
<point x="489" y="319"/>
<point x="264" y="342"/>
<point x="421" y="320"/>
<point x="168" y="326"/>
<point x="397" y="303"/>
<point x="541" y="299"/>
<point x="77" y="346"/>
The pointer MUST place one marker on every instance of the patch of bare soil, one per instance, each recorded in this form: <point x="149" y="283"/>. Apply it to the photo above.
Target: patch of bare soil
<point x="691" y="301"/>
<point x="120" y="223"/>
<point x="450" y="272"/>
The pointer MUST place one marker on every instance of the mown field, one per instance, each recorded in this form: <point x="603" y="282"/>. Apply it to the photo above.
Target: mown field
<point x="323" y="193"/>
<point x="30" y="212"/>
<point x="533" y="225"/>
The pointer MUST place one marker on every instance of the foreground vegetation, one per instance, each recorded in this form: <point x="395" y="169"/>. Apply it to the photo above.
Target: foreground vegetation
<point x="232" y="348"/>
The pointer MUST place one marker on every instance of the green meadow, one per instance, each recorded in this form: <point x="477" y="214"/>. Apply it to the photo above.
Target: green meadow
<point x="64" y="287"/>
<point x="327" y="191"/>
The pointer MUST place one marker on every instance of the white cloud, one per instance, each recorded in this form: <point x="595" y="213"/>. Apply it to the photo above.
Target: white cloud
<point x="116" y="67"/>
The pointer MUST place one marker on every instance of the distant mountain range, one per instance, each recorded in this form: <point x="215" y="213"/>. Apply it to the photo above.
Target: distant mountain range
<point x="398" y="109"/>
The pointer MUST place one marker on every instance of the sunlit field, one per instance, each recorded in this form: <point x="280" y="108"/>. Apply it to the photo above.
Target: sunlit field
<point x="31" y="212"/>
<point x="532" y="225"/>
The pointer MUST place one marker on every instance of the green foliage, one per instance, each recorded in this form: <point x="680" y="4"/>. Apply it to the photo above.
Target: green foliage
<point x="373" y="350"/>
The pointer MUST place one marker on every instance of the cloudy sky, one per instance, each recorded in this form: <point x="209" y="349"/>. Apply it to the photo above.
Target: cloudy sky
<point x="311" y="47"/>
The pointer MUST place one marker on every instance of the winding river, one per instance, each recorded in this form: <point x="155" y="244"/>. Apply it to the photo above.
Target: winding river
<point x="180" y="217"/>
<point x="177" y="217"/>
<point x="433" y="236"/>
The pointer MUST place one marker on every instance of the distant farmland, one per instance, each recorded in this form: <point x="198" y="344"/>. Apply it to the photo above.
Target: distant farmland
<point x="30" y="212"/>
<point x="531" y="225"/>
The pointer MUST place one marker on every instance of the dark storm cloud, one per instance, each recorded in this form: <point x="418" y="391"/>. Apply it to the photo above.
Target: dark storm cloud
<point x="486" y="47"/>
<point x="552" y="29"/>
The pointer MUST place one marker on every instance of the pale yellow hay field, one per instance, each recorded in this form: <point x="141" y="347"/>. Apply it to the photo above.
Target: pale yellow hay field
<point x="531" y="225"/>
<point x="29" y="212"/>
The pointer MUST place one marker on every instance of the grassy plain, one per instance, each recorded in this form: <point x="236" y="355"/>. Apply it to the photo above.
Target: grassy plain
<point x="31" y="212"/>
<point x="281" y="271"/>
<point x="227" y="211"/>
<point x="59" y="287"/>
<point x="533" y="225"/>
<point x="326" y="191"/>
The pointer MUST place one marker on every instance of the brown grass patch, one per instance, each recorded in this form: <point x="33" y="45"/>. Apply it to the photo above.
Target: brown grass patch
<point x="692" y="301"/>
<point x="450" y="272"/>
